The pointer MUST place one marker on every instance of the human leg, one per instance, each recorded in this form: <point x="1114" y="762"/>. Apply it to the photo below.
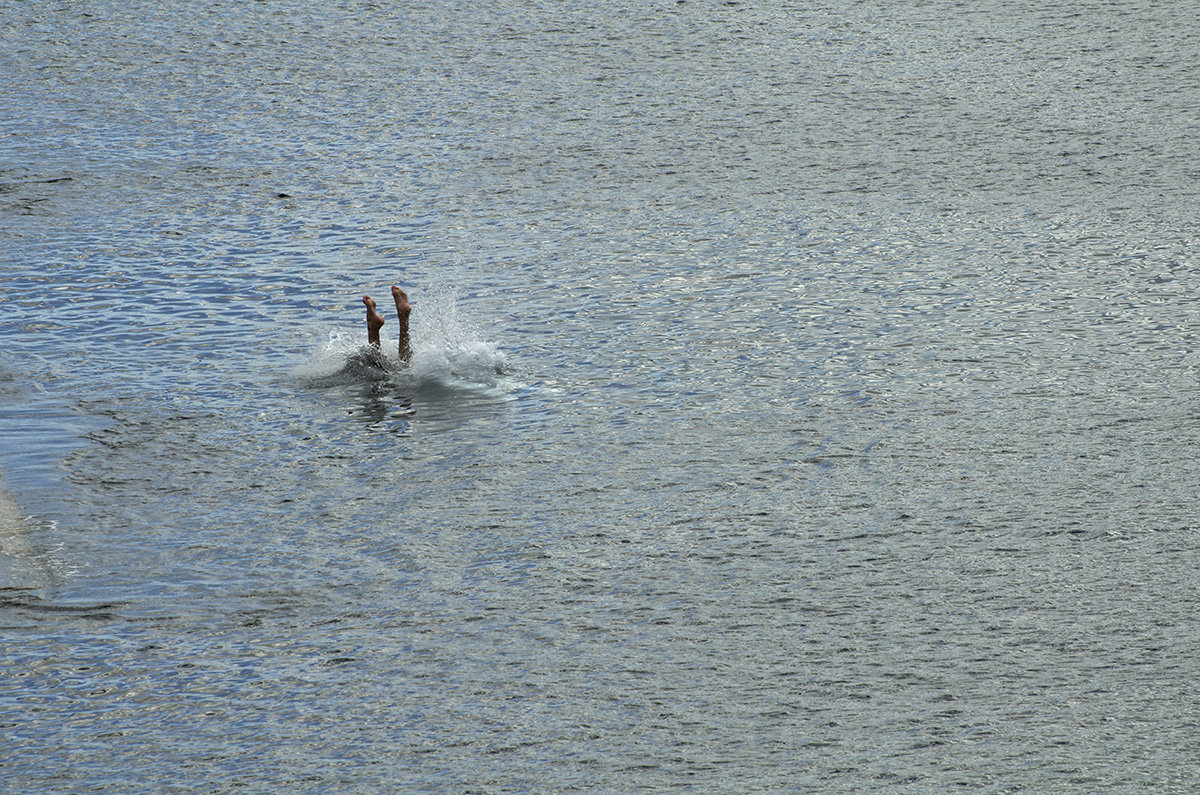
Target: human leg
<point x="403" y="308"/>
<point x="374" y="321"/>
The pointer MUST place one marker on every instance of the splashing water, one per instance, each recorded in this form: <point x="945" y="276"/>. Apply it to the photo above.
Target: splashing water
<point x="447" y="348"/>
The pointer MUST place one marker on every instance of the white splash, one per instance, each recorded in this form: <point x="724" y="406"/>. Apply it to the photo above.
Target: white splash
<point x="448" y="350"/>
<point x="448" y="347"/>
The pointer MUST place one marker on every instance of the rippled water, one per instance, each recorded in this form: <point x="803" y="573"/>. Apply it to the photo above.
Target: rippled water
<point x="804" y="397"/>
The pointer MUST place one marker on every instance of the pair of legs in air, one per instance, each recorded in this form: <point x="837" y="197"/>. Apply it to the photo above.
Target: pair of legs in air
<point x="375" y="322"/>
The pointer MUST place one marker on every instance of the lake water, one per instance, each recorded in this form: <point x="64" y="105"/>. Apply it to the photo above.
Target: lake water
<point x="805" y="397"/>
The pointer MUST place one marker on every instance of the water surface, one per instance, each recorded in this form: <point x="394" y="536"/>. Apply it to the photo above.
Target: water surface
<point x="804" y="397"/>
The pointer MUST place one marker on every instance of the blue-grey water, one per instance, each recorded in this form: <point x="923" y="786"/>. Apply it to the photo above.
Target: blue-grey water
<point x="805" y="397"/>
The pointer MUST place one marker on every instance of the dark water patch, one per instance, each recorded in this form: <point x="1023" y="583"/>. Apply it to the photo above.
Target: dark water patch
<point x="29" y="603"/>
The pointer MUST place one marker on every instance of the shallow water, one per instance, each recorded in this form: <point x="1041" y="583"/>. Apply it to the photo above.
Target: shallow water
<point x="804" y="398"/>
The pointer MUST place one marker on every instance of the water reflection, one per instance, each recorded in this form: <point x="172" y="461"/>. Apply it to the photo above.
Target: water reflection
<point x="403" y="401"/>
<point x="383" y="405"/>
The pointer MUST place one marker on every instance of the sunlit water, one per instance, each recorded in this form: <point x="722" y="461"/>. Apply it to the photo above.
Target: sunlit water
<point x="804" y="397"/>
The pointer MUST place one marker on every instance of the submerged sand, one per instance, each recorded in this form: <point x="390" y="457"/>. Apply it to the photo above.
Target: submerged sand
<point x="17" y="569"/>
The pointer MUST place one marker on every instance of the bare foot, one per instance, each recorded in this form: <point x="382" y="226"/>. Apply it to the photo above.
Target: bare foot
<point x="374" y="321"/>
<point x="403" y="308"/>
<point x="401" y="298"/>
